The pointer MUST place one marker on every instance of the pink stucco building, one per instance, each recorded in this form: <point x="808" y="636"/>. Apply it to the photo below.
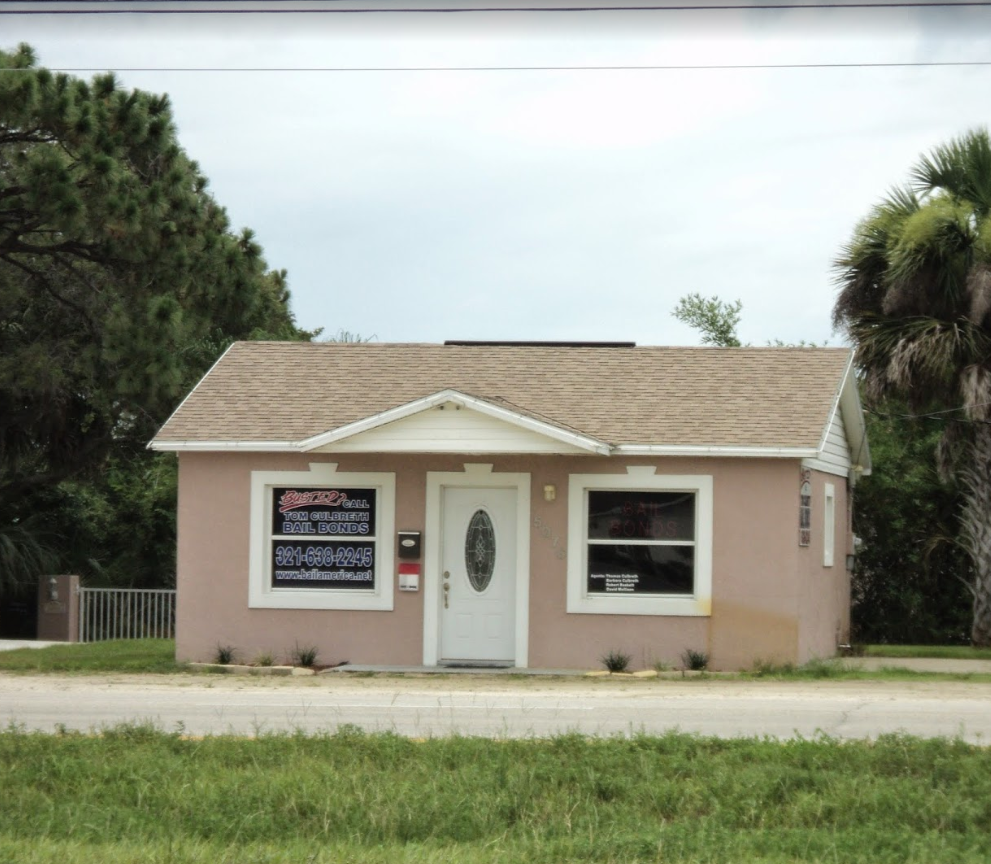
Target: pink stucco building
<point x="530" y="505"/>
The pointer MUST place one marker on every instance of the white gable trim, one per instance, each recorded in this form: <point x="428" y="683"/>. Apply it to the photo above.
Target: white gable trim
<point x="847" y="404"/>
<point x="443" y="397"/>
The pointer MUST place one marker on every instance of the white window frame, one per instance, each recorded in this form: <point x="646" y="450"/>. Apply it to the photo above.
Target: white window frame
<point x="261" y="594"/>
<point x="639" y="478"/>
<point x="829" y="526"/>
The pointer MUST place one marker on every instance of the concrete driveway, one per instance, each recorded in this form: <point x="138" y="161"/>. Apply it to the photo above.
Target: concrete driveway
<point x="499" y="706"/>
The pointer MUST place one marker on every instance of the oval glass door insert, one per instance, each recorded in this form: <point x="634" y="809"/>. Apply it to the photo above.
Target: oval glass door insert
<point x="480" y="550"/>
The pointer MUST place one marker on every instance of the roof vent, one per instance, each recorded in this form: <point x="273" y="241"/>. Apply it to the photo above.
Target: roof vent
<point x="488" y="344"/>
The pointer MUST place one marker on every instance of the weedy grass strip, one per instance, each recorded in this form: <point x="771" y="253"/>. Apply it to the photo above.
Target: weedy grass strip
<point x="356" y="796"/>
<point x="948" y="652"/>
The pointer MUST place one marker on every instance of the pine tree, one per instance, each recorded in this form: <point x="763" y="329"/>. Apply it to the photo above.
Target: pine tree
<point x="120" y="279"/>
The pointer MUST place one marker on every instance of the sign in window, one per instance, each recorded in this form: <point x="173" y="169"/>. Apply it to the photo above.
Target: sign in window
<point x="323" y="538"/>
<point x="640" y="542"/>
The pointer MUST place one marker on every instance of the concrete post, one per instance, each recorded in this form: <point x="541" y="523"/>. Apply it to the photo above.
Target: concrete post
<point x="58" y="608"/>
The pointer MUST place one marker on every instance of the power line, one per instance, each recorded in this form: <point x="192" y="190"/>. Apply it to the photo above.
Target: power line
<point x="645" y="68"/>
<point x="933" y="415"/>
<point x="150" y="9"/>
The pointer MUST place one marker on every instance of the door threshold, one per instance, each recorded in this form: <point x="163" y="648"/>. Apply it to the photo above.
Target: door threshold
<point x="476" y="664"/>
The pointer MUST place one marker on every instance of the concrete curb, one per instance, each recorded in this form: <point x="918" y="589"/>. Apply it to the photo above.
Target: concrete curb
<point x="241" y="669"/>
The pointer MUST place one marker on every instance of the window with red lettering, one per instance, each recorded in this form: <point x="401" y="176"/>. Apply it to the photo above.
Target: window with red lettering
<point x="641" y="542"/>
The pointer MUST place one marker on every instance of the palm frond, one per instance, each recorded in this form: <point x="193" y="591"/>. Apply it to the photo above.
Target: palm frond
<point x="928" y="260"/>
<point x="979" y="290"/>
<point x="961" y="168"/>
<point x="861" y="269"/>
<point x="951" y="450"/>
<point x="918" y="357"/>
<point x="975" y="388"/>
<point x="24" y="555"/>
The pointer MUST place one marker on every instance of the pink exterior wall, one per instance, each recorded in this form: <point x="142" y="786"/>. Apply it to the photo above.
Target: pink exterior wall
<point x="755" y="538"/>
<point x="562" y="640"/>
<point x="825" y="591"/>
<point x="763" y="597"/>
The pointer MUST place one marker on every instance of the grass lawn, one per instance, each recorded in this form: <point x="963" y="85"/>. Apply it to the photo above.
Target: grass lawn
<point x="950" y="652"/>
<point x="135" y="794"/>
<point x="158" y="655"/>
<point x="121" y="655"/>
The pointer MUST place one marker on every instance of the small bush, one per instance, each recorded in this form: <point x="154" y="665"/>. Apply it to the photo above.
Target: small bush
<point x="265" y="659"/>
<point x="304" y="655"/>
<point x="615" y="661"/>
<point x="225" y="654"/>
<point x="695" y="660"/>
<point x="662" y="666"/>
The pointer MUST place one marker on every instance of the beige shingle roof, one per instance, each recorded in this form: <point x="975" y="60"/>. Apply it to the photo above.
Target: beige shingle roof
<point x="746" y="397"/>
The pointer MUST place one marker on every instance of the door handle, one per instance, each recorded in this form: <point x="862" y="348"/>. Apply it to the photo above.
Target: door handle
<point x="447" y="589"/>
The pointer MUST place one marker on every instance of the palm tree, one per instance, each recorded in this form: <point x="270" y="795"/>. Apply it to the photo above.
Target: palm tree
<point x="915" y="298"/>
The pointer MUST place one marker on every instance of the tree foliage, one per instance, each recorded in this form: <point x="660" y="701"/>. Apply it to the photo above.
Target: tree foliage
<point x="715" y="319"/>
<point x="915" y="298"/>
<point x="911" y="575"/>
<point x="120" y="282"/>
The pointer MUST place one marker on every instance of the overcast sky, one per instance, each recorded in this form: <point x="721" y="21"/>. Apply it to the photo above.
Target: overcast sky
<point x="567" y="205"/>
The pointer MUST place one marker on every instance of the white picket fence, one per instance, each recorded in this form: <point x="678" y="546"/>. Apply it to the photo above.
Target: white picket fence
<point x="126" y="613"/>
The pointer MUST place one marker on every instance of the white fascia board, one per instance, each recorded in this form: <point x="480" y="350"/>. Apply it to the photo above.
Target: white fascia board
<point x="836" y="403"/>
<point x="715" y="450"/>
<point x="847" y="402"/>
<point x="453" y="396"/>
<point x="151" y="445"/>
<point x="853" y="410"/>
<point x="226" y="446"/>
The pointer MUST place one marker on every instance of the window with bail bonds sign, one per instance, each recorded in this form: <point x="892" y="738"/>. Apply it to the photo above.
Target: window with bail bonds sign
<point x="323" y="538"/>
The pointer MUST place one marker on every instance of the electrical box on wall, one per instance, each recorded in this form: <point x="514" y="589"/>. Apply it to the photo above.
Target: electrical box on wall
<point x="409" y="577"/>
<point x="409" y="544"/>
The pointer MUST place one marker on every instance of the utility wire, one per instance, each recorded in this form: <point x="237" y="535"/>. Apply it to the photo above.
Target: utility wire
<point x="660" y="68"/>
<point x="151" y="8"/>
<point x="932" y="415"/>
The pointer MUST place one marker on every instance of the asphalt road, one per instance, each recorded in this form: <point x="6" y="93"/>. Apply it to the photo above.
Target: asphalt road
<point x="200" y="705"/>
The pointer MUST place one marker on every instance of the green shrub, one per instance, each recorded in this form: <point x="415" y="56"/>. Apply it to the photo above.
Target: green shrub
<point x="615" y="661"/>
<point x="695" y="660"/>
<point x="225" y="654"/>
<point x="305" y="655"/>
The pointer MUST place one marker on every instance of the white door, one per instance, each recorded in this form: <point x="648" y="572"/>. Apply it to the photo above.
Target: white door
<point x="478" y="576"/>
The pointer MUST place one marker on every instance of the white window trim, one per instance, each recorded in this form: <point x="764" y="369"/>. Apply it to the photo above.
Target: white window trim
<point x="261" y="594"/>
<point x="639" y="477"/>
<point x="829" y="526"/>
